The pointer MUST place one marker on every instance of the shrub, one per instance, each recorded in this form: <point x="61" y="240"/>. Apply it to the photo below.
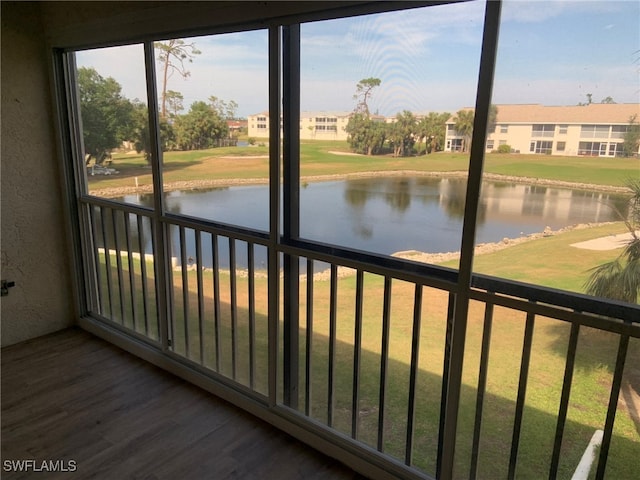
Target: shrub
<point x="504" y="149"/>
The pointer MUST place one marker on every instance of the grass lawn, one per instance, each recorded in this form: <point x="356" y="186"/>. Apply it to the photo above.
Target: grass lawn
<point x="548" y="261"/>
<point x="230" y="163"/>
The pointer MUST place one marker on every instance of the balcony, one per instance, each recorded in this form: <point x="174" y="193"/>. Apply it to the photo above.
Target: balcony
<point x="361" y="352"/>
<point x="398" y="369"/>
<point x="100" y="412"/>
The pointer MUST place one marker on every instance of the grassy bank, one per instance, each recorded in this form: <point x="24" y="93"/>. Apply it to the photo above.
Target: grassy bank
<point x="231" y="163"/>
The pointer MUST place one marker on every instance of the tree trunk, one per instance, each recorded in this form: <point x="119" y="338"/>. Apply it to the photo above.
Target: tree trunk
<point x="164" y="87"/>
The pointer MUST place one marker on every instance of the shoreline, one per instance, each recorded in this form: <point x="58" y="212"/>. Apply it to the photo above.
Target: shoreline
<point x="113" y="192"/>
<point x="426" y="257"/>
<point x="490" y="247"/>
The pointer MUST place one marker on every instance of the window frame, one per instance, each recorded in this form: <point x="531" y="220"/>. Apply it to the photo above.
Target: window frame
<point x="284" y="39"/>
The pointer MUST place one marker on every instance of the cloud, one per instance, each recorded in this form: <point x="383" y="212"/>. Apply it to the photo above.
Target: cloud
<point x="528" y="11"/>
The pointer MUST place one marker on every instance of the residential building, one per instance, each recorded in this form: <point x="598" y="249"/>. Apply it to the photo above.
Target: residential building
<point x="596" y="129"/>
<point x="321" y="125"/>
<point x="236" y="126"/>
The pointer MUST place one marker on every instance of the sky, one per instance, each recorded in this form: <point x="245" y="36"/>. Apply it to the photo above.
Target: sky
<point x="550" y="52"/>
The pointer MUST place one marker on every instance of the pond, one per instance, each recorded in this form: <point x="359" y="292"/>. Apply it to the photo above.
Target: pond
<point x="390" y="214"/>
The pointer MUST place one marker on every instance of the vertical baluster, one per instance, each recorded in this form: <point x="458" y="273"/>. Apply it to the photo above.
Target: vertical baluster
<point x="445" y="379"/>
<point x="96" y="259"/>
<point x="171" y="304"/>
<point x="118" y="264"/>
<point x="357" y="355"/>
<point x="309" y="339"/>
<point x="613" y="404"/>
<point x="143" y="273"/>
<point x="252" y="313"/>
<point x="107" y="260"/>
<point x="216" y="298"/>
<point x="384" y="359"/>
<point x="522" y="392"/>
<point x="132" y="277"/>
<point x="185" y="289"/>
<point x="413" y="375"/>
<point x="234" y="313"/>
<point x="564" y="398"/>
<point x="482" y="385"/>
<point x="332" y="343"/>
<point x="199" y="280"/>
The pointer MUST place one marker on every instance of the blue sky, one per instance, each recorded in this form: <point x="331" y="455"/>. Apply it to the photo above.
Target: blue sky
<point x="550" y="52"/>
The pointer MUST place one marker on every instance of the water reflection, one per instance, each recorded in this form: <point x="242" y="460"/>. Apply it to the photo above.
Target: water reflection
<point x="389" y="214"/>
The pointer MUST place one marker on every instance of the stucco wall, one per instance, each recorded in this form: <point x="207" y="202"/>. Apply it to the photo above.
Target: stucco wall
<point x="33" y="242"/>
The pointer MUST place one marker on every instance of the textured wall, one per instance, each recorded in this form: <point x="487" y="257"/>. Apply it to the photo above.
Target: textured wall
<point x="33" y="242"/>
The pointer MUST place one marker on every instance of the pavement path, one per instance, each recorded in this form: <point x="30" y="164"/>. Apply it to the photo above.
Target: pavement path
<point x="609" y="242"/>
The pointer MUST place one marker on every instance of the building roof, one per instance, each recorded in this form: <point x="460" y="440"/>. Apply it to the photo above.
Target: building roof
<point x="594" y="113"/>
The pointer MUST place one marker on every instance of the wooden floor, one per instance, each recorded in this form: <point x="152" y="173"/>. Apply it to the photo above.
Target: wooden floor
<point x="73" y="397"/>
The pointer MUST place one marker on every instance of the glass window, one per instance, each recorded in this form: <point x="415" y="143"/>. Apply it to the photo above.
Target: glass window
<point x="543" y="130"/>
<point x="544" y="99"/>
<point x="594" y="131"/>
<point x="206" y="85"/>
<point x="381" y="73"/>
<point x="589" y="148"/>
<point x="111" y="86"/>
<point x="618" y="131"/>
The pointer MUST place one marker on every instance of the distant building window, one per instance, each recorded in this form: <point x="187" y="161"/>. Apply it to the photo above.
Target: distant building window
<point x="589" y="148"/>
<point x="262" y="125"/>
<point x="325" y="119"/>
<point x="562" y="129"/>
<point x="456" y="145"/>
<point x="504" y="128"/>
<point x="262" y="119"/>
<point x="543" y="130"/>
<point x="618" y="131"/>
<point x="489" y="144"/>
<point x="541" y="146"/>
<point x="594" y="131"/>
<point x="452" y="128"/>
<point x="560" y="146"/>
<point x="502" y="142"/>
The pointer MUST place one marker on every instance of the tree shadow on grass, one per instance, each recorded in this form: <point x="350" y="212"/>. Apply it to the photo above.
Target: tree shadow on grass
<point x="198" y="342"/>
<point x="538" y="426"/>
<point x="596" y="357"/>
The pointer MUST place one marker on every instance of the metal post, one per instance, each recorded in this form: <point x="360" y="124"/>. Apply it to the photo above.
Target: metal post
<point x="162" y="263"/>
<point x="291" y="202"/>
<point x="474" y="182"/>
<point x="274" y="207"/>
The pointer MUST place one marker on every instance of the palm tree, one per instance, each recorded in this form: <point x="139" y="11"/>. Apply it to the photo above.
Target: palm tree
<point x="620" y="278"/>
<point x="464" y="126"/>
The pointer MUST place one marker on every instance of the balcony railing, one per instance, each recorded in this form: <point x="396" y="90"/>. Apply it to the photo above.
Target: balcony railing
<point x="364" y="344"/>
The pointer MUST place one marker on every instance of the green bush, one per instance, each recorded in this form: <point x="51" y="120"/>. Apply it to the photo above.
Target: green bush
<point x="504" y="149"/>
